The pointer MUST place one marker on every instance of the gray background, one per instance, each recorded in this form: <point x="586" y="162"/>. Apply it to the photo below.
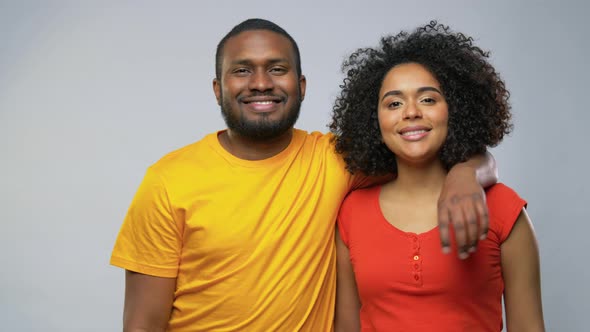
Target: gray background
<point x="93" y="92"/>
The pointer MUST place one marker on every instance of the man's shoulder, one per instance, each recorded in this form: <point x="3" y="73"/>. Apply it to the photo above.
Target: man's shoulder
<point x="191" y="153"/>
<point x="316" y="138"/>
<point x="315" y="134"/>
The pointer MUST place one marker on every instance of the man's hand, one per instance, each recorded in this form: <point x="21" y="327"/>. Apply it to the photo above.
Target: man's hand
<point x="462" y="203"/>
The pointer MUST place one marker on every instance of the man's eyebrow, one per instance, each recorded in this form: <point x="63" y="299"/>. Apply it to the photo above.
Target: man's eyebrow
<point x="272" y="61"/>
<point x="278" y="60"/>
<point x="422" y="89"/>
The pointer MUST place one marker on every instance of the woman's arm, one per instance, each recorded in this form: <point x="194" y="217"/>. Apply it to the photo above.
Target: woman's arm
<point x="522" y="280"/>
<point x="347" y="316"/>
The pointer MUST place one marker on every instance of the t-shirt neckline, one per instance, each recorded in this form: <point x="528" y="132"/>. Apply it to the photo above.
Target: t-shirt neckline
<point x="296" y="140"/>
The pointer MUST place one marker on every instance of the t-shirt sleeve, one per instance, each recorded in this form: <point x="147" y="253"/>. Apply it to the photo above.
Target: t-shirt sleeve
<point x="149" y="241"/>
<point x="343" y="220"/>
<point x="504" y="206"/>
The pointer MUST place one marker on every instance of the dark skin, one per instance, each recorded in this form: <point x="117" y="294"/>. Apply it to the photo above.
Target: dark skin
<point x="262" y="72"/>
<point x="465" y="214"/>
<point x="148" y="302"/>
<point x="257" y="62"/>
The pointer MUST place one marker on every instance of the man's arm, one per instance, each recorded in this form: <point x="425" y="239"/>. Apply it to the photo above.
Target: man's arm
<point x="347" y="315"/>
<point x="462" y="203"/>
<point x="522" y="281"/>
<point x="148" y="302"/>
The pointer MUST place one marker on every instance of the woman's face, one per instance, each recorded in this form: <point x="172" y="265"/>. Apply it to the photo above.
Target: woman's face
<point x="413" y="114"/>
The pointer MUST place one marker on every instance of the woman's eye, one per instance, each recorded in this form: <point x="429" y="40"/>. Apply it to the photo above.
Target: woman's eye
<point x="428" y="100"/>
<point x="394" y="104"/>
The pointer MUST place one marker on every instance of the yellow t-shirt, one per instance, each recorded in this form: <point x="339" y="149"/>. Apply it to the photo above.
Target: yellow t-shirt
<point x="250" y="242"/>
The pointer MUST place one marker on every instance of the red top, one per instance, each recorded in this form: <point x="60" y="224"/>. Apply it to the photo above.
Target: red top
<point x="406" y="283"/>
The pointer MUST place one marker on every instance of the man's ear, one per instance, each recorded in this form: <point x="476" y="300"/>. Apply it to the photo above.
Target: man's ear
<point x="302" y="86"/>
<point x="217" y="90"/>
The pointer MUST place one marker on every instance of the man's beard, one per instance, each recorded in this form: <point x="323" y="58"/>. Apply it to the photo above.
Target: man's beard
<point x="263" y="128"/>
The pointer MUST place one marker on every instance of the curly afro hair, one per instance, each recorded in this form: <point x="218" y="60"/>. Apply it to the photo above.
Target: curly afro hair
<point x="479" y="112"/>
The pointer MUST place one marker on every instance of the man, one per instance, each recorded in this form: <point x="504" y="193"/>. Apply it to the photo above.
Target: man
<point x="235" y="232"/>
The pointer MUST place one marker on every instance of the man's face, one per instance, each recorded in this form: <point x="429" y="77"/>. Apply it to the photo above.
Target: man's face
<point x="259" y="91"/>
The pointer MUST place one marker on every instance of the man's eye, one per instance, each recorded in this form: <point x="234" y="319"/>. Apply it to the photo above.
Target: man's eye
<point x="241" y="71"/>
<point x="278" y="70"/>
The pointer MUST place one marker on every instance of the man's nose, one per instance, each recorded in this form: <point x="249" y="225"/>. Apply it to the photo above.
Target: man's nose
<point x="261" y="80"/>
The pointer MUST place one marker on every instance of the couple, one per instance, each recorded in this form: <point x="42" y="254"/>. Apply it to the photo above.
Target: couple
<point x="236" y="232"/>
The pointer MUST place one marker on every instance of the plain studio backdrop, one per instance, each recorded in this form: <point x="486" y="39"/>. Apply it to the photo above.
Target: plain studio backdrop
<point x="93" y="92"/>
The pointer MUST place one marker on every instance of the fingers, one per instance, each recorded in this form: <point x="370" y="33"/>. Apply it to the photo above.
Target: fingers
<point x="481" y="209"/>
<point x="460" y="227"/>
<point x="469" y="218"/>
<point x="470" y="215"/>
<point x="443" y="226"/>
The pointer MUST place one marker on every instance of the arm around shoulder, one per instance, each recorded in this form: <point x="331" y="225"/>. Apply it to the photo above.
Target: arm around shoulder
<point x="486" y="170"/>
<point x="522" y="280"/>
<point x="462" y="203"/>
<point x="148" y="302"/>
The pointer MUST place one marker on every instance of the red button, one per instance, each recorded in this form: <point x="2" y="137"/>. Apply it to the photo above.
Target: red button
<point x="416" y="277"/>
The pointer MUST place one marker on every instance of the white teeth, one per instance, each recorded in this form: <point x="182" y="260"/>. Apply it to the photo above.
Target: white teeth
<point x="262" y="102"/>
<point x="413" y="132"/>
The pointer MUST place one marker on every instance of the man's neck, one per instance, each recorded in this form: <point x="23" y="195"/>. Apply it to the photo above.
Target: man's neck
<point x="251" y="149"/>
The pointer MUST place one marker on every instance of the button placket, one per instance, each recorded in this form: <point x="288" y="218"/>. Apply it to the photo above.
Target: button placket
<point x="415" y="260"/>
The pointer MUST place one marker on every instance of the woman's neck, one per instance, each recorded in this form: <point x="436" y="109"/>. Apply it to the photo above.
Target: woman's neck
<point x="410" y="201"/>
<point x="419" y="180"/>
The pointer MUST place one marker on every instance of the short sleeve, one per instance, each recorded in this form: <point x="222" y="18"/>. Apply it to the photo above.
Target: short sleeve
<point x="504" y="206"/>
<point x="343" y="221"/>
<point x="149" y="241"/>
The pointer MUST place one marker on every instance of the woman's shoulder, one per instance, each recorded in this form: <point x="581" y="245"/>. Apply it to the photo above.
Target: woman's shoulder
<point x="501" y="194"/>
<point x="359" y="199"/>
<point x="504" y="207"/>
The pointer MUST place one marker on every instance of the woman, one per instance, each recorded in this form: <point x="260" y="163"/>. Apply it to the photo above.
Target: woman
<point x="417" y="105"/>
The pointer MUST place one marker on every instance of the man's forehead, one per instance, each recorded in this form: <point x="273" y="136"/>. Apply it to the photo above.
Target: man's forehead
<point x="258" y="42"/>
